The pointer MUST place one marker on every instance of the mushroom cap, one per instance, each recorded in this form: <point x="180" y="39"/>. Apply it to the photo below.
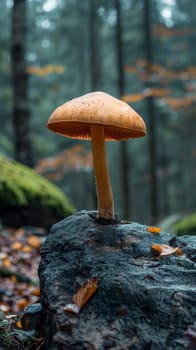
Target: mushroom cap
<point x="75" y="117"/>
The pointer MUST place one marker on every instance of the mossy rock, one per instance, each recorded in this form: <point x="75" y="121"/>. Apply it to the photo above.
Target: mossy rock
<point x="186" y="226"/>
<point x="27" y="198"/>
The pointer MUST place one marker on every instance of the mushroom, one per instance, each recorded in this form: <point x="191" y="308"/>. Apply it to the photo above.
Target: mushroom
<point x="99" y="117"/>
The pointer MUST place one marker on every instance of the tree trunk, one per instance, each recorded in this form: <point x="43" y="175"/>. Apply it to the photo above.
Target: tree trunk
<point x="81" y="39"/>
<point x="21" y="113"/>
<point x="151" y="114"/>
<point x="94" y="63"/>
<point x="94" y="46"/>
<point x="121" y="87"/>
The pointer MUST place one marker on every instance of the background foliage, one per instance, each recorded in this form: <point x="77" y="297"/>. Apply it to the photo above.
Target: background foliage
<point x="70" y="49"/>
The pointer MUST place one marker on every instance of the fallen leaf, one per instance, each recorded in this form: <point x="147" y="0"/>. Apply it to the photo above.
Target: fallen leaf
<point x="19" y="279"/>
<point x="4" y="307"/>
<point x="16" y="246"/>
<point x="166" y="250"/>
<point x="6" y="263"/>
<point x="81" y="297"/>
<point x="27" y="249"/>
<point x="10" y="317"/>
<point x="153" y="229"/>
<point x="19" y="324"/>
<point x="34" y="242"/>
<point x="3" y="256"/>
<point x="21" y="304"/>
<point x="85" y="292"/>
<point x="72" y="308"/>
<point x="36" y="292"/>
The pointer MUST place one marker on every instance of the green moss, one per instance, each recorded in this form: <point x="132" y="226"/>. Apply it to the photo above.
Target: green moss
<point x="186" y="226"/>
<point x="22" y="186"/>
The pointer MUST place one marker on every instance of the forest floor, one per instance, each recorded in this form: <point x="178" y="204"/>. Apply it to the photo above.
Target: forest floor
<point x="19" y="287"/>
<point x="19" y="261"/>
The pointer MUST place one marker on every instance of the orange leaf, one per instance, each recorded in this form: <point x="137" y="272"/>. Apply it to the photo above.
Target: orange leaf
<point x="166" y="250"/>
<point x="153" y="229"/>
<point x="34" y="242"/>
<point x="27" y="249"/>
<point x="21" y="304"/>
<point x="36" y="292"/>
<point x="16" y="246"/>
<point x="157" y="248"/>
<point x="82" y="296"/>
<point x="19" y="324"/>
<point x="6" y="263"/>
<point x="85" y="292"/>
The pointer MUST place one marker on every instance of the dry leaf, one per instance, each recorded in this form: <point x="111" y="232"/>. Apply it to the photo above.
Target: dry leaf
<point x="10" y="317"/>
<point x="4" y="307"/>
<point x="166" y="250"/>
<point x="36" y="292"/>
<point x="3" y="256"/>
<point x="22" y="262"/>
<point x="82" y="296"/>
<point x="16" y="246"/>
<point x="27" y="249"/>
<point x="34" y="242"/>
<point x="153" y="229"/>
<point x="85" y="292"/>
<point x="73" y="308"/>
<point x="19" y="324"/>
<point x="21" y="304"/>
<point x="7" y="263"/>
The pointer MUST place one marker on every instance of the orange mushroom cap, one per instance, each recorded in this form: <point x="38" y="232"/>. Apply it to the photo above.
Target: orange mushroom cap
<point x="75" y="117"/>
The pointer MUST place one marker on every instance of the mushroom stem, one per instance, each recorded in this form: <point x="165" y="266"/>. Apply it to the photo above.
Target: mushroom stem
<point x="104" y="190"/>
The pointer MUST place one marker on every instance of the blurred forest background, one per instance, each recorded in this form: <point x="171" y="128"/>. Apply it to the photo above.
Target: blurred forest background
<point x="141" y="51"/>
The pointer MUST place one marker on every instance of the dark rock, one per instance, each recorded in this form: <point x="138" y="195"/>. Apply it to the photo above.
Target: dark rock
<point x="143" y="302"/>
<point x="31" y="319"/>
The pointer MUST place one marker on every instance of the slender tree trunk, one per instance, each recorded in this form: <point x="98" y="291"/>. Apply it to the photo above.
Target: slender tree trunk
<point x="94" y="60"/>
<point x="94" y="46"/>
<point x="121" y="87"/>
<point x="151" y="114"/>
<point x="82" y="81"/>
<point x="21" y="113"/>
